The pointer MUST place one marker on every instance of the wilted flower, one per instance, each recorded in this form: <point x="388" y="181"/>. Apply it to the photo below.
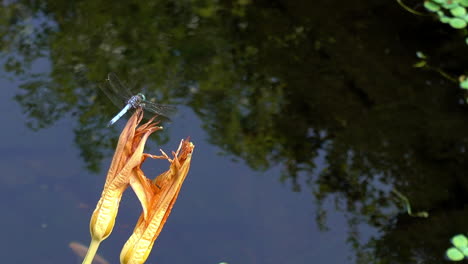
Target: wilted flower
<point x="128" y="156"/>
<point x="156" y="196"/>
<point x="163" y="192"/>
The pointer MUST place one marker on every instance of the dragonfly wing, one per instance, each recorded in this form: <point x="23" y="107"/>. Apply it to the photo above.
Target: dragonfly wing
<point x="119" y="101"/>
<point x="118" y="87"/>
<point x="163" y="110"/>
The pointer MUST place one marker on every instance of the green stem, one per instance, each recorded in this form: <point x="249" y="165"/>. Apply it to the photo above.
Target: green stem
<point x="407" y="8"/>
<point x="444" y="74"/>
<point x="408" y="206"/>
<point x="93" y="247"/>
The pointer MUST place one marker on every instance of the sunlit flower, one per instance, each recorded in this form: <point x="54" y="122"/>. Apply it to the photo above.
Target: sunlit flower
<point x="128" y="156"/>
<point x="162" y="193"/>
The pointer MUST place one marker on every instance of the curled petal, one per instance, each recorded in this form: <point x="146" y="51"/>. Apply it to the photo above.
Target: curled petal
<point x="165" y="190"/>
<point x="123" y="171"/>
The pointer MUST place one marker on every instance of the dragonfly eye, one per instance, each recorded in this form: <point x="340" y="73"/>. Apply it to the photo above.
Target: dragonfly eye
<point x="143" y="97"/>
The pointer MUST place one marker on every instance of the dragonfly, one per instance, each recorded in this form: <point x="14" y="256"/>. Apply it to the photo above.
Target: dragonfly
<point x="121" y="95"/>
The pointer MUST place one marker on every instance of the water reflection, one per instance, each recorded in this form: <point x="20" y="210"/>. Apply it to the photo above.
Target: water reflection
<point x="273" y="84"/>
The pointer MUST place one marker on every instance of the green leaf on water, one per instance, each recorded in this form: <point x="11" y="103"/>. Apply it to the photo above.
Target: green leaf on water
<point x="445" y="19"/>
<point x="458" y="11"/>
<point x="460" y="241"/>
<point x="457" y="23"/>
<point x="431" y="6"/>
<point x="463" y="2"/>
<point x="449" y="6"/>
<point x="454" y="254"/>
<point x="464" y="85"/>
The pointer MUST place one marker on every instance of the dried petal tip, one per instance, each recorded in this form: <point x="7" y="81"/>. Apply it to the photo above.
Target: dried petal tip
<point x="165" y="189"/>
<point x="127" y="158"/>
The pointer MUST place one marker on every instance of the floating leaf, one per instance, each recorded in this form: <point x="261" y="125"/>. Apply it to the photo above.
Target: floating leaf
<point x="464" y="85"/>
<point x="445" y="19"/>
<point x="454" y="254"/>
<point x="463" y="2"/>
<point x="457" y="23"/>
<point x="460" y="241"/>
<point x="458" y="11"/>
<point x="449" y="6"/>
<point x="431" y="6"/>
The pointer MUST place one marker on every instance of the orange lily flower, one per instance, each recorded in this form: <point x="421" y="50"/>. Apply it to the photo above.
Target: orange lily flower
<point x="163" y="192"/>
<point x="128" y="156"/>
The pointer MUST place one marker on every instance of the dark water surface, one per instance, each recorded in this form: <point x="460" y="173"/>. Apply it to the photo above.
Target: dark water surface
<point x="225" y="212"/>
<point x="305" y="115"/>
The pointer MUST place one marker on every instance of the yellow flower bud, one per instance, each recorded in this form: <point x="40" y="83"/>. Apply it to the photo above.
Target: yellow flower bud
<point x="127" y="158"/>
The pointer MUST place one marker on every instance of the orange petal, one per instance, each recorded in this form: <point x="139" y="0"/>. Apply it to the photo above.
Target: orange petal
<point x="166" y="189"/>
<point x="128" y="156"/>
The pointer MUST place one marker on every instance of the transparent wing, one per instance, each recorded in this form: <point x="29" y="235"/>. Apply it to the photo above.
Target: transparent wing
<point x="119" y="88"/>
<point x="163" y="110"/>
<point x="119" y="95"/>
<point x="118" y="100"/>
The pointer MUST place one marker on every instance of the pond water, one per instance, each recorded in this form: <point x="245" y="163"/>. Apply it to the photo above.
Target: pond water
<point x="226" y="211"/>
<point x="304" y="119"/>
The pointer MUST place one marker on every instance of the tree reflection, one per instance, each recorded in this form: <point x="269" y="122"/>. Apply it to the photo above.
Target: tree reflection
<point x="273" y="84"/>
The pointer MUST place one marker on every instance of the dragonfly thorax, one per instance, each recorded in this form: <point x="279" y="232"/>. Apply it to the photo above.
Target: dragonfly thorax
<point x="119" y="93"/>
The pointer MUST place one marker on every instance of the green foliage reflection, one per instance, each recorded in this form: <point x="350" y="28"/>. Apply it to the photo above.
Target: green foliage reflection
<point x="275" y="84"/>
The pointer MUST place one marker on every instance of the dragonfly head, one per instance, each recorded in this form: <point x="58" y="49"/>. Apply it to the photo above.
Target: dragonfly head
<point x="142" y="96"/>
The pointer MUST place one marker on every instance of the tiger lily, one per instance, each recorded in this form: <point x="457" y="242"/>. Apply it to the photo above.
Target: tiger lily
<point x="127" y="158"/>
<point x="163" y="192"/>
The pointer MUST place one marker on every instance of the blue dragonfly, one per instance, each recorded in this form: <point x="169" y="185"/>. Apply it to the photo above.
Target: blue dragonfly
<point x="121" y="96"/>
